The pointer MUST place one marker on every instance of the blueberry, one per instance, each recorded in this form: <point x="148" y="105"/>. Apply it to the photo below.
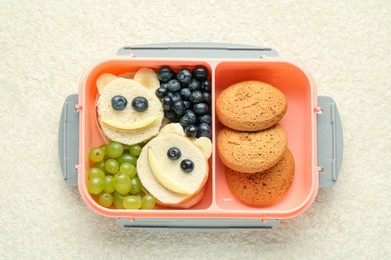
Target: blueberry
<point x="201" y="109"/>
<point x="165" y="74"/>
<point x="161" y="92"/>
<point x="171" y="115"/>
<point x="207" y="119"/>
<point x="194" y="85"/>
<point x="189" y="118"/>
<point x="196" y="97"/>
<point x="187" y="165"/>
<point x="206" y="86"/>
<point x="140" y="104"/>
<point x="206" y="97"/>
<point x="192" y="116"/>
<point x="204" y="130"/>
<point x="188" y="104"/>
<point x="184" y="121"/>
<point x="164" y="85"/>
<point x="185" y="93"/>
<point x="179" y="107"/>
<point x="191" y="131"/>
<point x="119" y="102"/>
<point x="200" y="73"/>
<point x="174" y="85"/>
<point x="174" y="153"/>
<point x="166" y="102"/>
<point x="184" y="76"/>
<point x="175" y="97"/>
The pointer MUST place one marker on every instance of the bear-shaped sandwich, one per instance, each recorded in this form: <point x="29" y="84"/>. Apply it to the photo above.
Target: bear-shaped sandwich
<point x="174" y="168"/>
<point x="128" y="111"/>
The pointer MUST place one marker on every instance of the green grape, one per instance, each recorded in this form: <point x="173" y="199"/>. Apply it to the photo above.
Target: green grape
<point x="105" y="199"/>
<point x="95" y="185"/>
<point x="148" y="202"/>
<point x="128" y="169"/>
<point x="103" y="146"/>
<point x="109" y="184"/>
<point x="135" y="185"/>
<point x="140" y="195"/>
<point x="135" y="149"/>
<point x="118" y="200"/>
<point x="114" y="150"/>
<point x="122" y="183"/>
<point x="127" y="158"/>
<point x="95" y="172"/>
<point x="96" y="154"/>
<point x="100" y="165"/>
<point x="132" y="202"/>
<point x="112" y="166"/>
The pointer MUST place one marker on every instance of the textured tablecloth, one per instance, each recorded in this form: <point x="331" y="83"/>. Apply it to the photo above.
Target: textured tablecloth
<point x="45" y="47"/>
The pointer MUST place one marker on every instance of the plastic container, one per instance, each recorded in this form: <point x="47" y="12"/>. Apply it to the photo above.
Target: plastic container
<point x="306" y="122"/>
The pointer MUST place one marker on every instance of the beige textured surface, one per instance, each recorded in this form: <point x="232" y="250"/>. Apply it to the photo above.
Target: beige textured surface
<point x="47" y="45"/>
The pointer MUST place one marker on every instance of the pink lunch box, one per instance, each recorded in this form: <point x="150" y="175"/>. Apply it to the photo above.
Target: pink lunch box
<point x="312" y="124"/>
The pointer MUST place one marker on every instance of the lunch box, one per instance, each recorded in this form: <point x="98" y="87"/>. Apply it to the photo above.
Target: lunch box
<point x="312" y="124"/>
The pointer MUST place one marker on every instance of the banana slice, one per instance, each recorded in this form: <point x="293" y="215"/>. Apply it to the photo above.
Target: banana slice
<point x="205" y="145"/>
<point x="167" y="180"/>
<point x="148" y="78"/>
<point x="103" y="80"/>
<point x="128" y="75"/>
<point x="130" y="126"/>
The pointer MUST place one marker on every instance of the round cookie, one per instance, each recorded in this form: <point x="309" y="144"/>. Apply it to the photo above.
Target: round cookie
<point x="265" y="187"/>
<point x="250" y="106"/>
<point x="251" y="152"/>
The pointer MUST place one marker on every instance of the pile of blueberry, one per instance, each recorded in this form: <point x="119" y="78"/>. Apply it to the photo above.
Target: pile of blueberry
<point x="185" y="97"/>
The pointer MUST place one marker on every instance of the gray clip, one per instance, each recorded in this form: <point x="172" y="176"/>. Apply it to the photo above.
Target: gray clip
<point x="198" y="50"/>
<point x="68" y="140"/>
<point x="198" y="224"/>
<point x="330" y="141"/>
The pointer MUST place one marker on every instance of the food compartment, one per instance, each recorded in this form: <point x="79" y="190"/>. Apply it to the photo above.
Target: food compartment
<point x="298" y="123"/>
<point x="90" y="135"/>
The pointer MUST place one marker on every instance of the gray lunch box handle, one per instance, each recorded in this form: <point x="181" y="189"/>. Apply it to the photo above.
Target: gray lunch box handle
<point x="68" y="140"/>
<point x="330" y="141"/>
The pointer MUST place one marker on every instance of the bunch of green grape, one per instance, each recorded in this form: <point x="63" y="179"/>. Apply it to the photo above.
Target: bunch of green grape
<point x="113" y="177"/>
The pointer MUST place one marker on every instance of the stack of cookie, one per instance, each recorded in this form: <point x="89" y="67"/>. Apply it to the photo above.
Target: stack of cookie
<point x="253" y="145"/>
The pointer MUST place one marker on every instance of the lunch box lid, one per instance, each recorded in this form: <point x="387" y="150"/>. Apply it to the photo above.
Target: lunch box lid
<point x="329" y="133"/>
